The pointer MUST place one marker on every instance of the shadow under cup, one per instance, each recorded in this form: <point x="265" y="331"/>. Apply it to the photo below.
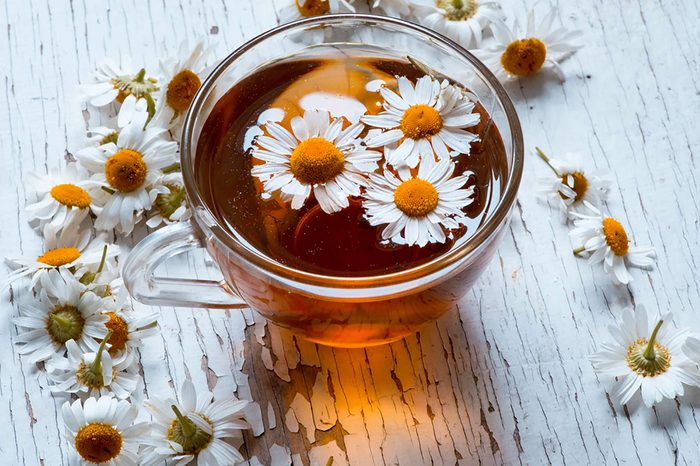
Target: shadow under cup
<point x="336" y="311"/>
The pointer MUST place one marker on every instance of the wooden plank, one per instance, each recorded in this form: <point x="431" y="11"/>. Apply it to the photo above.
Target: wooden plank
<point x="504" y="379"/>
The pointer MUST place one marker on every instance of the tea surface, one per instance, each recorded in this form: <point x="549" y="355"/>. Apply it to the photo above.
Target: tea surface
<point x="343" y="243"/>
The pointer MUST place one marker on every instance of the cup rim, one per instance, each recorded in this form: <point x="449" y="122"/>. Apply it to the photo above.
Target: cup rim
<point x="437" y="264"/>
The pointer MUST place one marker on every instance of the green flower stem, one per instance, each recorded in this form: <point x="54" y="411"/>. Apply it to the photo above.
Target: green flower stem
<point x="102" y="261"/>
<point x="187" y="427"/>
<point x="140" y="75"/>
<point x="171" y="168"/>
<point x="96" y="367"/>
<point x="62" y="322"/>
<point x="579" y="250"/>
<point x="649" y="353"/>
<point x="547" y="160"/>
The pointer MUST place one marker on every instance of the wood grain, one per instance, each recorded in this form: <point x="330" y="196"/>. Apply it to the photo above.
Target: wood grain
<point x="504" y="379"/>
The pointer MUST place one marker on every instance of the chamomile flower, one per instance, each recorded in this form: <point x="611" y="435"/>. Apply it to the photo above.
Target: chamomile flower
<point x="63" y="198"/>
<point x="112" y="83"/>
<point x="170" y="206"/>
<point x="571" y="185"/>
<point x="605" y="239"/>
<point x="180" y="79"/>
<point x="128" y="328"/>
<point x="394" y="8"/>
<point x="418" y="210"/>
<point x="101" y="135"/>
<point x="318" y="156"/>
<point x="71" y="251"/>
<point x="518" y="53"/>
<point x="196" y="428"/>
<point x="425" y="119"/>
<point x="103" y="431"/>
<point x="646" y="354"/>
<point x="93" y="373"/>
<point x="63" y="311"/>
<point x="293" y="10"/>
<point x="463" y="21"/>
<point x="130" y="170"/>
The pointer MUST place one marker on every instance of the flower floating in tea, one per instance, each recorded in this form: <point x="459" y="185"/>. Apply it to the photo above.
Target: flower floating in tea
<point x="62" y="311"/>
<point x="520" y="54"/>
<point x="463" y="21"/>
<point x="181" y="78"/>
<point x="195" y="428"/>
<point x="103" y="430"/>
<point x="572" y="185"/>
<point x="130" y="170"/>
<point x="417" y="209"/>
<point x="321" y="155"/>
<point x="423" y="120"/>
<point x="606" y="240"/>
<point x="112" y="83"/>
<point x="298" y="9"/>
<point x="646" y="354"/>
<point x="414" y="198"/>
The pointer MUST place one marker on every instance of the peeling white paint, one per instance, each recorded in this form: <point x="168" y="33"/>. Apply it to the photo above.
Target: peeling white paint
<point x="504" y="379"/>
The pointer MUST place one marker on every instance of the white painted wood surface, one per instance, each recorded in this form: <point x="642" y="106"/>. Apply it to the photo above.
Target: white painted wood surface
<point x="504" y="379"/>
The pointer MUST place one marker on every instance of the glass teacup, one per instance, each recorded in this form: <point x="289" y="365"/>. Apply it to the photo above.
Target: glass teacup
<point x="333" y="310"/>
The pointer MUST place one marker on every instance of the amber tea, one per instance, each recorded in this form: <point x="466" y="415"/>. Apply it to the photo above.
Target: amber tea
<point x="350" y="164"/>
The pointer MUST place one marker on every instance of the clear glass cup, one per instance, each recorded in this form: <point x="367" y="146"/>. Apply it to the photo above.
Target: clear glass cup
<point x="331" y="310"/>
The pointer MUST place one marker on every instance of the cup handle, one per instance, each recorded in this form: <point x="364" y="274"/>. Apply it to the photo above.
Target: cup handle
<point x="158" y="247"/>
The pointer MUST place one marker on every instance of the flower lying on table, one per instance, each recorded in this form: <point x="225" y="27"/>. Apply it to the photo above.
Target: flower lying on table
<point x="605" y="239"/>
<point x="63" y="311"/>
<point x="463" y="21"/>
<point x="520" y="53"/>
<point x="646" y="354"/>
<point x="572" y="185"/>
<point x="196" y="428"/>
<point x="103" y="431"/>
<point x="76" y="313"/>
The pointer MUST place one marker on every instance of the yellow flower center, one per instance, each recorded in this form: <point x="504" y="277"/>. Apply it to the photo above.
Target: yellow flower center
<point x="420" y="121"/>
<point x="181" y="90"/>
<point x="524" y="57"/>
<point x="580" y="184"/>
<point x="458" y="10"/>
<point x="316" y="160"/>
<point x="126" y="170"/>
<point x="98" y="442"/>
<point x="615" y="236"/>
<point x="120" y="333"/>
<point x="644" y="366"/>
<point x="71" y="195"/>
<point x="313" y="7"/>
<point x="59" y="256"/>
<point x="416" y="197"/>
<point x="65" y="322"/>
